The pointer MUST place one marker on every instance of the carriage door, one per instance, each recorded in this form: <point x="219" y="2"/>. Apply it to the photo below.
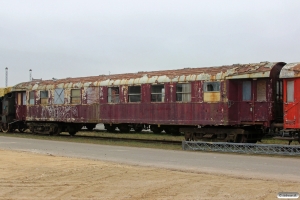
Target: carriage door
<point x="290" y="105"/>
<point x="246" y="105"/>
<point x="21" y="106"/>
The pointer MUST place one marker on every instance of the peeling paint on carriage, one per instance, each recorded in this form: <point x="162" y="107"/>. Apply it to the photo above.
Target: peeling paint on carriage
<point x="237" y="71"/>
<point x="291" y="70"/>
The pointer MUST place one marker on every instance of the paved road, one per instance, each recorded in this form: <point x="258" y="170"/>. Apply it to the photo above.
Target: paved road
<point x="285" y="168"/>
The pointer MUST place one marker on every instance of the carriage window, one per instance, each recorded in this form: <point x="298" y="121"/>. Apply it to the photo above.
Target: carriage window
<point x="246" y="90"/>
<point x="44" y="97"/>
<point x="92" y="95"/>
<point x="59" y="96"/>
<point x="211" y="86"/>
<point x="279" y="91"/>
<point x="157" y="93"/>
<point x="19" y="98"/>
<point x="290" y="91"/>
<point x="75" y="96"/>
<point x="183" y="92"/>
<point x="24" y="98"/>
<point x="31" y="98"/>
<point x="134" y="93"/>
<point x="211" y="91"/>
<point x="113" y="95"/>
<point x="261" y="90"/>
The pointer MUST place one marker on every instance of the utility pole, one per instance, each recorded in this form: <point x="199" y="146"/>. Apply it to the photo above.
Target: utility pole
<point x="6" y="76"/>
<point x="30" y="75"/>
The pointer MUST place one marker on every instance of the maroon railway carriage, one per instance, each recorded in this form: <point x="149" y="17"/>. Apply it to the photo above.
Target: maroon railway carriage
<point x="228" y="103"/>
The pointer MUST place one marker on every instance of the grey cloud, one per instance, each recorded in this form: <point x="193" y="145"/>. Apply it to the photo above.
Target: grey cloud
<point x="81" y="38"/>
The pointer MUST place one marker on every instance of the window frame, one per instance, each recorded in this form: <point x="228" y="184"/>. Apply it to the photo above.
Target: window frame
<point x="24" y="99"/>
<point x="247" y="96"/>
<point x="113" y="98"/>
<point x="19" y="98"/>
<point x="133" y="94"/>
<point x="31" y="99"/>
<point x="60" y="97"/>
<point x="157" y="94"/>
<point x="75" y="99"/>
<point x="290" y="91"/>
<point x="216" y="83"/>
<point x="184" y="94"/>
<point x="261" y="90"/>
<point x="43" y="99"/>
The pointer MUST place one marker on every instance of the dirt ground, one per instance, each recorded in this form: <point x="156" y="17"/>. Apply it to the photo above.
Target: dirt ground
<point x="27" y="175"/>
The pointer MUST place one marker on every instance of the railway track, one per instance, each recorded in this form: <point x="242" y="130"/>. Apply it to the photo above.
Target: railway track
<point x="123" y="139"/>
<point x="277" y="149"/>
<point x="127" y="139"/>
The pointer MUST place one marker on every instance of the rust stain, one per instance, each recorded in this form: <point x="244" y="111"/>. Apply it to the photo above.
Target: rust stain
<point x="177" y="75"/>
<point x="211" y="96"/>
<point x="290" y="70"/>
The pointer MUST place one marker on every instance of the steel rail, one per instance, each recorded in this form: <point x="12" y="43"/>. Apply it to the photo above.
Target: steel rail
<point x="163" y="141"/>
<point x="126" y="139"/>
<point x="245" y="148"/>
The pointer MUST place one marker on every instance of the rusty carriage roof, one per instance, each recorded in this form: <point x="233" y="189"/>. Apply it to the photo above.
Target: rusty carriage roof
<point x="291" y="70"/>
<point x="253" y="70"/>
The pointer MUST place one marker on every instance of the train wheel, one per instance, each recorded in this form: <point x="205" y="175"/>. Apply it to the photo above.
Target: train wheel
<point x="57" y="131"/>
<point x="22" y="128"/>
<point x="167" y="131"/>
<point x="155" y="129"/>
<point x="5" y="128"/>
<point x="138" y="129"/>
<point x="241" y="138"/>
<point x="124" y="128"/>
<point x="189" y="136"/>
<point x="111" y="129"/>
<point x="90" y="127"/>
<point x="31" y="128"/>
<point x="72" y="133"/>
<point x="175" y="131"/>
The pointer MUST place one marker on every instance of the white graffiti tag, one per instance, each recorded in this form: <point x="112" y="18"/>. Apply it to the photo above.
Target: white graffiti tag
<point x="59" y="112"/>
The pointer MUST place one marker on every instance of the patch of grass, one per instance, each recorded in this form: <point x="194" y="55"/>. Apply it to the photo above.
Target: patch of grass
<point x="66" y="138"/>
<point x="276" y="141"/>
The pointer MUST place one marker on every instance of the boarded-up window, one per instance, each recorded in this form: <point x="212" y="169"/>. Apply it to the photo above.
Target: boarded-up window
<point x="211" y="91"/>
<point x="211" y="86"/>
<point x="75" y="96"/>
<point x="183" y="92"/>
<point x="92" y="95"/>
<point x="59" y="96"/>
<point x="44" y="97"/>
<point x="134" y="93"/>
<point x="246" y="90"/>
<point x="290" y="91"/>
<point x="19" y="99"/>
<point x="157" y="93"/>
<point x="113" y="95"/>
<point x="261" y="90"/>
<point x="31" y="98"/>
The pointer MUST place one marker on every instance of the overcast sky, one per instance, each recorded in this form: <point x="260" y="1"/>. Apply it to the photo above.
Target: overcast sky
<point x="72" y="38"/>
